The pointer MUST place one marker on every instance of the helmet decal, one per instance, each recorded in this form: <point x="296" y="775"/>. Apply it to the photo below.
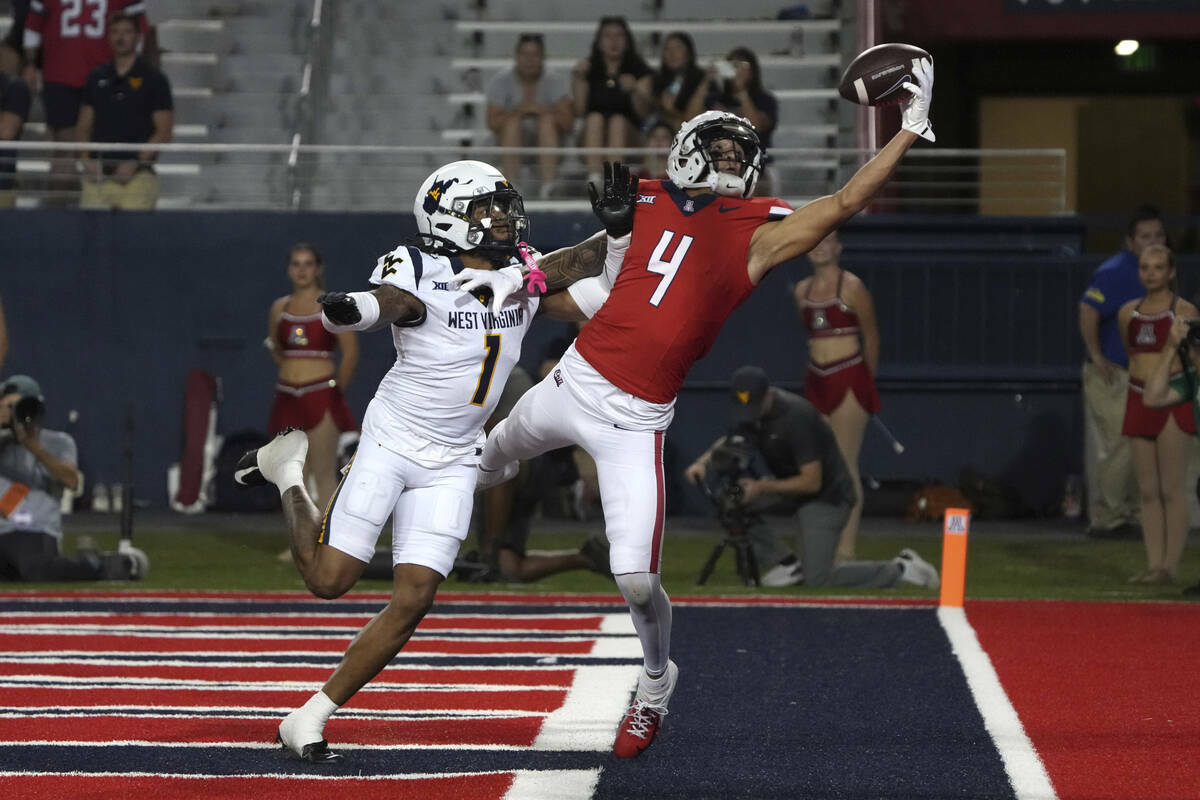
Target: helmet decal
<point x="434" y="195"/>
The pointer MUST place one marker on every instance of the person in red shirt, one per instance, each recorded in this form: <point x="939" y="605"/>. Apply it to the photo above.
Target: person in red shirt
<point x="73" y="38"/>
<point x="688" y="251"/>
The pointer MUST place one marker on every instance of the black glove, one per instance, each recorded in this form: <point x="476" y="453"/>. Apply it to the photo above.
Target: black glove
<point x="615" y="208"/>
<point x="339" y="308"/>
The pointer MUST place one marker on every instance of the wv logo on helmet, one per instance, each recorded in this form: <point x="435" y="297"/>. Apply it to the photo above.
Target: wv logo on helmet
<point x="435" y="194"/>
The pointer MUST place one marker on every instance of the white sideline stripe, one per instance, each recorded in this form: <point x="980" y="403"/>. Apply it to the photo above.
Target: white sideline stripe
<point x="1025" y="770"/>
<point x="248" y="745"/>
<point x="195" y="711"/>
<point x="410" y="776"/>
<point x="69" y="682"/>
<point x="553" y="784"/>
<point x="592" y="710"/>
<point x="617" y="624"/>
<point x="617" y="647"/>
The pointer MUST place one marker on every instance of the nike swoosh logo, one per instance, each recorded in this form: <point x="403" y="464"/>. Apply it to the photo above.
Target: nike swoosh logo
<point x="723" y="209"/>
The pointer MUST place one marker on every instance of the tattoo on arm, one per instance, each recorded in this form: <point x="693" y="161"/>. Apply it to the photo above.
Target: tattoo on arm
<point x="569" y="264"/>
<point x="398" y="307"/>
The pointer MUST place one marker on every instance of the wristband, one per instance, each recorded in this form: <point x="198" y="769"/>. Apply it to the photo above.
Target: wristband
<point x="368" y="307"/>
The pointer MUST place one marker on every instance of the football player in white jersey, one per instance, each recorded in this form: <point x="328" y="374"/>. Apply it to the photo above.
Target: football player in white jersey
<point x="423" y="431"/>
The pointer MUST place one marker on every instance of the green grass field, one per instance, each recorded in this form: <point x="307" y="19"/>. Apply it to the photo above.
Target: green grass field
<point x="1004" y="561"/>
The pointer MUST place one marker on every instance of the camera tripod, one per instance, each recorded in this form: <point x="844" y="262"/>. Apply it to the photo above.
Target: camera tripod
<point x="736" y="523"/>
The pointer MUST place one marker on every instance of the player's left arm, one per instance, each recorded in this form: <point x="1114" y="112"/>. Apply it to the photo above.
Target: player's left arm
<point x="859" y="298"/>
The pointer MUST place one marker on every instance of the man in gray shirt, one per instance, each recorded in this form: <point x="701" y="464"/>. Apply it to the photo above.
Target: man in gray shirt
<point x="527" y="105"/>
<point x="35" y="466"/>
<point x="810" y="474"/>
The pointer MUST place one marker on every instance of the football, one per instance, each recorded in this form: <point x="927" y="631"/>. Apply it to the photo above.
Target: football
<point x="875" y="76"/>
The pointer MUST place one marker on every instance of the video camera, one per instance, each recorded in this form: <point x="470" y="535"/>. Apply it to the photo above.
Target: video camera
<point x="730" y="462"/>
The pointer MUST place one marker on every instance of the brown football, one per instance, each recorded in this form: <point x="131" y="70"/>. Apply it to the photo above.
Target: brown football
<point x="875" y="76"/>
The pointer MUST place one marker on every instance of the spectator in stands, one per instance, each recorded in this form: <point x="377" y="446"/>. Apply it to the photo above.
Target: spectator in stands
<point x="810" y="474"/>
<point x="738" y="88"/>
<point x="1166" y="389"/>
<point x="72" y="39"/>
<point x="12" y="48"/>
<point x="843" y="355"/>
<point x="36" y="465"/>
<point x="658" y="142"/>
<point x="613" y="92"/>
<point x="530" y="106"/>
<point x="1112" y="494"/>
<point x="14" y="110"/>
<point x="309" y="393"/>
<point x="1159" y="437"/>
<point x="678" y="90"/>
<point x="126" y="100"/>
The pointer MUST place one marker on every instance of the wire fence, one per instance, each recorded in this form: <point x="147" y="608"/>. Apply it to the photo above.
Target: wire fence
<point x="294" y="176"/>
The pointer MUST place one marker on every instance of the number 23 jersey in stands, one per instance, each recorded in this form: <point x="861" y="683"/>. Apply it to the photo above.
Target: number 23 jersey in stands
<point x="683" y="275"/>
<point x="450" y="368"/>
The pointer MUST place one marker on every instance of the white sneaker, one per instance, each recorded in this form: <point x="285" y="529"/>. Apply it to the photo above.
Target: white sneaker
<point x="487" y="478"/>
<point x="298" y="734"/>
<point x="139" y="561"/>
<point x="914" y="569"/>
<point x="782" y="575"/>
<point x="266" y="464"/>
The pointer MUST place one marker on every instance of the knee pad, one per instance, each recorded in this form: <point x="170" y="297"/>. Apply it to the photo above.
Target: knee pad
<point x="637" y="588"/>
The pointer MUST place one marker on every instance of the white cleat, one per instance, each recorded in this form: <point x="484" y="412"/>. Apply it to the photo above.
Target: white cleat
<point x="783" y="575"/>
<point x="265" y="465"/>
<point x="914" y="569"/>
<point x="487" y="478"/>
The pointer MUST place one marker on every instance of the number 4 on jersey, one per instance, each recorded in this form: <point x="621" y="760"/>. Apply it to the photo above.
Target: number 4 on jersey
<point x="666" y="268"/>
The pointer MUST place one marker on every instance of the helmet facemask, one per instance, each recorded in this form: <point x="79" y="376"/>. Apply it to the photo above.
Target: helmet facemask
<point x="722" y="154"/>
<point x="501" y="211"/>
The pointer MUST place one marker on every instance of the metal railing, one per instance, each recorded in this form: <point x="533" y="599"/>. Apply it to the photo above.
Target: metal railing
<point x="382" y="178"/>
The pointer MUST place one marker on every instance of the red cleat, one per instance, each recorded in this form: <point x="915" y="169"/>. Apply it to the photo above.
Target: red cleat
<point x="638" y="728"/>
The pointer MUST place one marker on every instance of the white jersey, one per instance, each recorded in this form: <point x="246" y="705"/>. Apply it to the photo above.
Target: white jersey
<point x="450" y="369"/>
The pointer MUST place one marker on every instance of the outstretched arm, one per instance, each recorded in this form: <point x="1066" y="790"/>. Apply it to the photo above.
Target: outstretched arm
<point x="800" y="231"/>
<point x="369" y="311"/>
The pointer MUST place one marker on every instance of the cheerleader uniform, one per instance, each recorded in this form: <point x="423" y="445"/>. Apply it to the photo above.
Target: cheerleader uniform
<point x="305" y="405"/>
<point x="826" y="385"/>
<point x="1148" y="334"/>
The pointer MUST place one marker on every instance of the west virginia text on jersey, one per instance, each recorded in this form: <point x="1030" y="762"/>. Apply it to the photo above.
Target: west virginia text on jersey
<point x="683" y="275"/>
<point x="450" y="369"/>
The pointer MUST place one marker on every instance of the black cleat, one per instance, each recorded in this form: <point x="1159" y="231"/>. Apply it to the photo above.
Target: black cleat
<point x="315" y="753"/>
<point x="247" y="473"/>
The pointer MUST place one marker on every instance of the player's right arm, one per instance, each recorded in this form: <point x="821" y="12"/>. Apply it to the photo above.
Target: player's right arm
<point x="393" y="301"/>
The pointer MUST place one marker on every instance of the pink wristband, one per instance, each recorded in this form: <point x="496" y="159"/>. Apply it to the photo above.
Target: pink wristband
<point x="535" y="279"/>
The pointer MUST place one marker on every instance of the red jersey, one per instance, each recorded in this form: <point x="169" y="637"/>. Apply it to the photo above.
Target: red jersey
<point x="73" y="35"/>
<point x="683" y="275"/>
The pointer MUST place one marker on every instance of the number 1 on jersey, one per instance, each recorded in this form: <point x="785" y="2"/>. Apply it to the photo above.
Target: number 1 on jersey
<point x="666" y="268"/>
<point x="491" y="343"/>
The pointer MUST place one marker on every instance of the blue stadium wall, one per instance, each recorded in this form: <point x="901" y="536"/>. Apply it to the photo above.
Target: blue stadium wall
<point x="979" y="365"/>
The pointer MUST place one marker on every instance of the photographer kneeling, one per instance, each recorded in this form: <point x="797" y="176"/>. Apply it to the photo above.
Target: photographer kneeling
<point x="1164" y="389"/>
<point x="812" y="477"/>
<point x="35" y="466"/>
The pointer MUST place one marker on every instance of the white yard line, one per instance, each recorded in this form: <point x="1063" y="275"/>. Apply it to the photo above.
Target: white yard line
<point x="589" y="716"/>
<point x="1025" y="770"/>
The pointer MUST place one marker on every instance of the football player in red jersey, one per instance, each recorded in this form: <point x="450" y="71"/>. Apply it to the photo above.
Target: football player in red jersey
<point x="685" y="253"/>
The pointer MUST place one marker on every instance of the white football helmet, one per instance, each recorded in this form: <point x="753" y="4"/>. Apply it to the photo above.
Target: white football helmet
<point x="690" y="164"/>
<point x="457" y="206"/>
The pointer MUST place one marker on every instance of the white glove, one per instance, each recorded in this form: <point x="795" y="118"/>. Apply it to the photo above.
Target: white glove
<point x="502" y="282"/>
<point x="915" y="110"/>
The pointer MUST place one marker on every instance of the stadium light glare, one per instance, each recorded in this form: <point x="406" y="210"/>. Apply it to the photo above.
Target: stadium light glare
<point x="1126" y="47"/>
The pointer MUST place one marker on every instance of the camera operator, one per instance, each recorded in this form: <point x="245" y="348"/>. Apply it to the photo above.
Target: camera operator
<point x="810" y="477"/>
<point x="1164" y="389"/>
<point x="35" y="466"/>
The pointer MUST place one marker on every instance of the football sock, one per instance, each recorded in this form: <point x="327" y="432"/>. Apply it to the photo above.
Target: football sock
<point x="291" y="473"/>
<point x="312" y="716"/>
<point x="650" y="609"/>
